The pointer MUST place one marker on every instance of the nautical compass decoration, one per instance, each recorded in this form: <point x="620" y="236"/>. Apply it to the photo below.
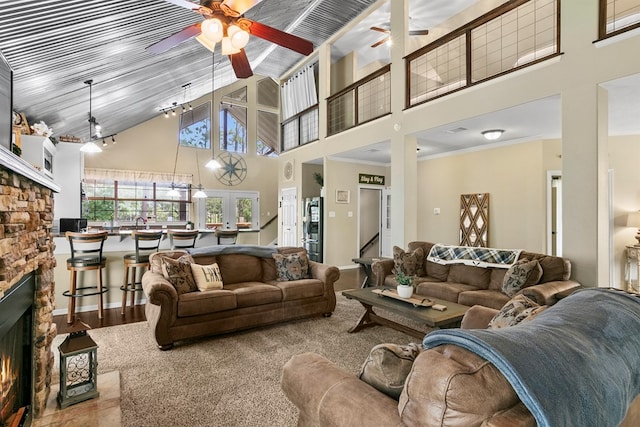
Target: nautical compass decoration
<point x="233" y="170"/>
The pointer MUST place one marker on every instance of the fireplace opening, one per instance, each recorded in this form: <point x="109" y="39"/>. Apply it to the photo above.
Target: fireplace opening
<point x="16" y="354"/>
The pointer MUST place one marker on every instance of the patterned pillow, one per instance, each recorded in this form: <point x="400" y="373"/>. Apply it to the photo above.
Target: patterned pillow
<point x="178" y="272"/>
<point x="387" y="367"/>
<point x="293" y="266"/>
<point x="519" y="309"/>
<point x="207" y="277"/>
<point x="410" y="263"/>
<point x="520" y="275"/>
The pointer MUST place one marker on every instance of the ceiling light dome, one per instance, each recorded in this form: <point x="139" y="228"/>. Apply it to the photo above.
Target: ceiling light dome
<point x="212" y="29"/>
<point x="227" y="48"/>
<point x="492" y="134"/>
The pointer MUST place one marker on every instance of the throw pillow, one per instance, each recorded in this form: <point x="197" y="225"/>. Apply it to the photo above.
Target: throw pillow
<point x="520" y="275"/>
<point x="293" y="266"/>
<point x="207" y="277"/>
<point x="410" y="263"/>
<point x="178" y="272"/>
<point x="519" y="309"/>
<point x="387" y="367"/>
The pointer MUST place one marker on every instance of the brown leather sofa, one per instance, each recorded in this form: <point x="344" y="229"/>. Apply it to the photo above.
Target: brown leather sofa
<point x="471" y="285"/>
<point x="252" y="294"/>
<point x="447" y="386"/>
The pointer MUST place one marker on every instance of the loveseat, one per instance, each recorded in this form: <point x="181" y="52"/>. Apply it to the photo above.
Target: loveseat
<point x="242" y="287"/>
<point x="574" y="374"/>
<point x="477" y="279"/>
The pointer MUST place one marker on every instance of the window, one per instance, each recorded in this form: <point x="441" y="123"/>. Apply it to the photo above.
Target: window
<point x="233" y="128"/>
<point x="230" y="209"/>
<point x="195" y="127"/>
<point x="267" y="144"/>
<point x="109" y="200"/>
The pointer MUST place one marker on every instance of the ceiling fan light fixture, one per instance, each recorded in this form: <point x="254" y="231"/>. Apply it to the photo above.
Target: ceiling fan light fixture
<point x="212" y="29"/>
<point x="227" y="47"/>
<point x="204" y="41"/>
<point x="493" y="134"/>
<point x="239" y="37"/>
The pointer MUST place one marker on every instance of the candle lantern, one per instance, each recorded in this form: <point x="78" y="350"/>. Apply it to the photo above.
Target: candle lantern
<point x="78" y="367"/>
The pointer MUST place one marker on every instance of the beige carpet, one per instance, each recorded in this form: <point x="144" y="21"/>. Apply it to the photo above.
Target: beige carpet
<point x="231" y="380"/>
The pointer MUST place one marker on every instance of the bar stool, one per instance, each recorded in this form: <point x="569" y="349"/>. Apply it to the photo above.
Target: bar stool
<point x="226" y="237"/>
<point x="146" y="243"/>
<point x="86" y="254"/>
<point x="182" y="239"/>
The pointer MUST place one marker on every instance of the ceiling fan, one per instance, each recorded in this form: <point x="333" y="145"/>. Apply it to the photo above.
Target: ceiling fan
<point x="388" y="32"/>
<point x="224" y="23"/>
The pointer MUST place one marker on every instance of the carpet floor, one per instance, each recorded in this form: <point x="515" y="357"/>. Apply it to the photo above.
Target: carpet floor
<point x="229" y="380"/>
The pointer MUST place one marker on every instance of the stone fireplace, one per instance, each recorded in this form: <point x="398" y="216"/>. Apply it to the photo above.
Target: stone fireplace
<point x="26" y="251"/>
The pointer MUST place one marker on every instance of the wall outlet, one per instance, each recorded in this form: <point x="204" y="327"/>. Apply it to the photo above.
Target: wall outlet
<point x="436" y="211"/>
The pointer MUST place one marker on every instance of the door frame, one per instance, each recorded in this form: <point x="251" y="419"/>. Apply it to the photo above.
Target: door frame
<point x="380" y="207"/>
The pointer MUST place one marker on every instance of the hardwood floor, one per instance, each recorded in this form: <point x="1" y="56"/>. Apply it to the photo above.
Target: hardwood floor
<point x="349" y="279"/>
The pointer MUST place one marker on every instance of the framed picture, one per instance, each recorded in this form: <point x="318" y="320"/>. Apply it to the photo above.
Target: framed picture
<point x="342" y="196"/>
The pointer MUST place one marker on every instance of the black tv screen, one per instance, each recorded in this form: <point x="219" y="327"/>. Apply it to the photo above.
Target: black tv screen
<point x="6" y="103"/>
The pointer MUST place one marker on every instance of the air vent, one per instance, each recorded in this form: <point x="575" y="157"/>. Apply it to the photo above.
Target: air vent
<point x="372" y="150"/>
<point x="456" y="130"/>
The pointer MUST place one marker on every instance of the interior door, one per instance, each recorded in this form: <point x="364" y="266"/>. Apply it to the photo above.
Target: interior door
<point x="289" y="215"/>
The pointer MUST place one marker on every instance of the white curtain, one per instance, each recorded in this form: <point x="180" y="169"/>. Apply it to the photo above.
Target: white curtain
<point x="299" y="92"/>
<point x="137" y="176"/>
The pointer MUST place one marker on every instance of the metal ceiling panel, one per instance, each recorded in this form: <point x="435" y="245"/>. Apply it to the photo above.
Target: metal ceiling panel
<point x="55" y="46"/>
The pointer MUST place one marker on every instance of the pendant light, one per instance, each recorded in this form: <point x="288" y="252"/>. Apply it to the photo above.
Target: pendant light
<point x="199" y="194"/>
<point x="90" y="146"/>
<point x="173" y="192"/>
<point x="213" y="163"/>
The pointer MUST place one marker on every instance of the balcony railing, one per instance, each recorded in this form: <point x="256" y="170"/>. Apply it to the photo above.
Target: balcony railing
<point x="363" y="101"/>
<point x="514" y="35"/>
<point x="300" y="129"/>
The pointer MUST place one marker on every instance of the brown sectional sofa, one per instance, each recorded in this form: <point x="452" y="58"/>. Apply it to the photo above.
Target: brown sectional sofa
<point x="470" y="285"/>
<point x="447" y="385"/>
<point x="252" y="294"/>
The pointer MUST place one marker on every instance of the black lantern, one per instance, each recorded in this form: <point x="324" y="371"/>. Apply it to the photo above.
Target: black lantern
<point x="78" y="367"/>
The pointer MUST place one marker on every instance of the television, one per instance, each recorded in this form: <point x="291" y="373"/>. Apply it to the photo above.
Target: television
<point x="6" y="103"/>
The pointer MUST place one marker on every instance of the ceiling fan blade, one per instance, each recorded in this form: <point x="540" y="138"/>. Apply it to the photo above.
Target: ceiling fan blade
<point x="382" y="30"/>
<point x="295" y="43"/>
<point x="379" y="42"/>
<point x="418" y="32"/>
<point x="241" y="65"/>
<point x="175" y="39"/>
<point x="240" y="6"/>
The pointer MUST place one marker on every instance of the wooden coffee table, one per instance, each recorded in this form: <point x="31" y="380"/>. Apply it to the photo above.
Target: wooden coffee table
<point x="371" y="300"/>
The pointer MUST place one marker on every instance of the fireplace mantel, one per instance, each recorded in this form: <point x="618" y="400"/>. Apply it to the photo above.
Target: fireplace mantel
<point x="24" y="168"/>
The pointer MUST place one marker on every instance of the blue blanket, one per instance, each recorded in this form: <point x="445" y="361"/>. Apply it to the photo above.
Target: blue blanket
<point x="576" y="364"/>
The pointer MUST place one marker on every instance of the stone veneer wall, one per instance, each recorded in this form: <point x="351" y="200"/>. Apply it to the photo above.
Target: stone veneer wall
<point x="26" y="245"/>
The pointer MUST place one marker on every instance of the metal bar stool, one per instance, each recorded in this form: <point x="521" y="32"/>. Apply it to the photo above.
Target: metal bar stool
<point x="86" y="254"/>
<point x="226" y="237"/>
<point x="146" y="243"/>
<point x="182" y="239"/>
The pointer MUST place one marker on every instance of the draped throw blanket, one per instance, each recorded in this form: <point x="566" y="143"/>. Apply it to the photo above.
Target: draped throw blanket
<point x="575" y="364"/>
<point x="479" y="257"/>
<point x="253" y="250"/>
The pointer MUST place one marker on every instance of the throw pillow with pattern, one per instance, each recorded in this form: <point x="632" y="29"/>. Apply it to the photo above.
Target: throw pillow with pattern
<point x="520" y="275"/>
<point x="410" y="263"/>
<point x="293" y="266"/>
<point x="519" y="309"/>
<point x="207" y="277"/>
<point x="178" y="272"/>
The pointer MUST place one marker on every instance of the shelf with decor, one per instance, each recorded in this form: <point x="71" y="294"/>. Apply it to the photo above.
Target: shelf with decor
<point x="39" y="151"/>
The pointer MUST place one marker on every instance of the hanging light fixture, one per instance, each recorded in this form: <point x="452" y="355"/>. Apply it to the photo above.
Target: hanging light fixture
<point x="173" y="192"/>
<point x="90" y="146"/>
<point x="213" y="163"/>
<point x="199" y="194"/>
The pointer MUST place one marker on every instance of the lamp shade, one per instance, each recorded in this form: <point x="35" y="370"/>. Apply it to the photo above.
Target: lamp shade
<point x="204" y="41"/>
<point x="212" y="29"/>
<point x="213" y="164"/>
<point x="633" y="219"/>
<point x="90" y="147"/>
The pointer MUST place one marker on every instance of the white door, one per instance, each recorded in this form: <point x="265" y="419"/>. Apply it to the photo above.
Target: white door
<point x="385" y="228"/>
<point x="289" y="215"/>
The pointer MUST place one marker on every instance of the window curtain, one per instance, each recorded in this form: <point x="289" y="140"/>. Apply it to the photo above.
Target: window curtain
<point x="136" y="176"/>
<point x="299" y="92"/>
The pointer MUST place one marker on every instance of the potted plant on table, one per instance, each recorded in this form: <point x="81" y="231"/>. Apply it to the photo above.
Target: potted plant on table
<point x="405" y="286"/>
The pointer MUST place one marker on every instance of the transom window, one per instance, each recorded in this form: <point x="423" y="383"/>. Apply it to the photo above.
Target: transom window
<point x="195" y="127"/>
<point x="233" y="128"/>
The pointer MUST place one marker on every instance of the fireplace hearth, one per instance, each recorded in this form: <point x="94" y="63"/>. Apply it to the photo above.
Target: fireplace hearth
<point x="16" y="353"/>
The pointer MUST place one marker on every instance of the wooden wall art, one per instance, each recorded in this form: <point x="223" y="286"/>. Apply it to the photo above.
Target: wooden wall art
<point x="474" y="220"/>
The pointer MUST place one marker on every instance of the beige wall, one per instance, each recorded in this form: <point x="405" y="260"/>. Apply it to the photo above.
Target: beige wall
<point x="515" y="178"/>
